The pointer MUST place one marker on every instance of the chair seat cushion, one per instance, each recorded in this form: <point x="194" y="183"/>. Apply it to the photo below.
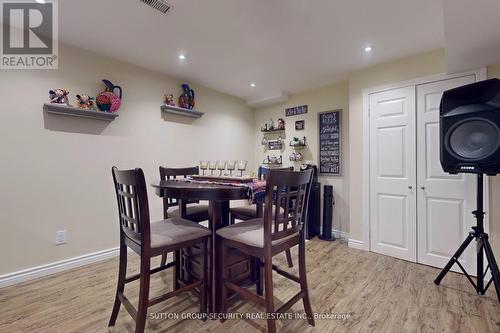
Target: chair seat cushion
<point x="250" y="232"/>
<point x="173" y="231"/>
<point x="194" y="212"/>
<point x="250" y="211"/>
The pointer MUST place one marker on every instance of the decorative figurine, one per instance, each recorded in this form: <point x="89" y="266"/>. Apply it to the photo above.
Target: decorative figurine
<point x="281" y="124"/>
<point x="186" y="100"/>
<point x="298" y="142"/>
<point x="264" y="141"/>
<point x="59" y="96"/>
<point x="108" y="101"/>
<point x="86" y="102"/>
<point x="271" y="125"/>
<point x="169" y="100"/>
<point x="295" y="157"/>
<point x="264" y="129"/>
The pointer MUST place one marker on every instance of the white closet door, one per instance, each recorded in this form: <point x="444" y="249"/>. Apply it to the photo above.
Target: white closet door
<point x="393" y="173"/>
<point x="444" y="201"/>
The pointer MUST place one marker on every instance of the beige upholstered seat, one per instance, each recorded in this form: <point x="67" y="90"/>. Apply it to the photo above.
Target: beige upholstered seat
<point x="250" y="232"/>
<point x="174" y="231"/>
<point x="250" y="211"/>
<point x="194" y="212"/>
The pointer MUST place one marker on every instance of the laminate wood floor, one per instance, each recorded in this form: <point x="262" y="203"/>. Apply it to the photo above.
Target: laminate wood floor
<point x="373" y="293"/>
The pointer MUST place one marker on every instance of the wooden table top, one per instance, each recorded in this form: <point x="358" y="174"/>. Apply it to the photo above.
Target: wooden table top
<point x="182" y="189"/>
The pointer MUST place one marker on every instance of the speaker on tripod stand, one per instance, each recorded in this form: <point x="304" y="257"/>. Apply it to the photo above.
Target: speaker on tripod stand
<point x="470" y="143"/>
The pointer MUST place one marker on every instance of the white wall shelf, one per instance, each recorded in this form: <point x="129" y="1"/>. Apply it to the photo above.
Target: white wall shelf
<point x="65" y="110"/>
<point x="181" y="111"/>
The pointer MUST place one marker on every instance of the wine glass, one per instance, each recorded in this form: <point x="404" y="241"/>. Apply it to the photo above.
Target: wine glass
<point x="231" y="166"/>
<point x="212" y="165"/>
<point x="203" y="166"/>
<point x="242" y="166"/>
<point x="221" y="166"/>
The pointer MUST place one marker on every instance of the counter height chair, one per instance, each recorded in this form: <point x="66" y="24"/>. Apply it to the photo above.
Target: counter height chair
<point x="248" y="212"/>
<point x="265" y="237"/>
<point x="149" y="240"/>
<point x="194" y="211"/>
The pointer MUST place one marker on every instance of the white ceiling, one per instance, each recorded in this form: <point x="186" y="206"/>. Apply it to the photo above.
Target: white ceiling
<point x="472" y="30"/>
<point x="284" y="46"/>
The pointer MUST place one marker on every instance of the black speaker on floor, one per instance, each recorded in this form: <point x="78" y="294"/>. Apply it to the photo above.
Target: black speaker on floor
<point x="470" y="143"/>
<point x="470" y="128"/>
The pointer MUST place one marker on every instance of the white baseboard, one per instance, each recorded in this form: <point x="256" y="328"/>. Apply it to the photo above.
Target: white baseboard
<point x="356" y="244"/>
<point x="340" y="234"/>
<point x="56" y="267"/>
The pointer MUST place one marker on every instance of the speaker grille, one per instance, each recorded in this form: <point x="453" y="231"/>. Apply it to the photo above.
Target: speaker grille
<point x="474" y="139"/>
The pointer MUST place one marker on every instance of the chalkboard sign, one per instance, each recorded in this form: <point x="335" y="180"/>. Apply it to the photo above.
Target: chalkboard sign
<point x="330" y="147"/>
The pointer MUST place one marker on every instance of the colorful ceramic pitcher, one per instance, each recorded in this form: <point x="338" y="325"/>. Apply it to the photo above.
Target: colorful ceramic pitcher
<point x="108" y="101"/>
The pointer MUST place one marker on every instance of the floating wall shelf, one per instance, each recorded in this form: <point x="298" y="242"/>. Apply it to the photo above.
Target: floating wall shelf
<point x="278" y="161"/>
<point x="272" y="131"/>
<point x="66" y="110"/>
<point x="181" y="111"/>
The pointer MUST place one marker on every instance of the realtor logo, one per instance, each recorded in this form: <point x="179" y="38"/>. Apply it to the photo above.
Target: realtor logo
<point x="29" y="34"/>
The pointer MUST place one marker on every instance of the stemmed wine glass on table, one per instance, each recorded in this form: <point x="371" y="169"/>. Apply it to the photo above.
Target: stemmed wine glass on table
<point x="212" y="165"/>
<point x="203" y="166"/>
<point x="221" y="166"/>
<point x="231" y="166"/>
<point x="242" y="166"/>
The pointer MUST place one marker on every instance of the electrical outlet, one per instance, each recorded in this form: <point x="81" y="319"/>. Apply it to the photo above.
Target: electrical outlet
<point x="61" y="237"/>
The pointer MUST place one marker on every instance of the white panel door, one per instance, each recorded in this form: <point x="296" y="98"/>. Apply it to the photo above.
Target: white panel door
<point x="393" y="173"/>
<point x="444" y="201"/>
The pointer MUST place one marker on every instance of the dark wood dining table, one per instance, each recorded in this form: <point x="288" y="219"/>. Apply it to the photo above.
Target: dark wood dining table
<point x="241" y="268"/>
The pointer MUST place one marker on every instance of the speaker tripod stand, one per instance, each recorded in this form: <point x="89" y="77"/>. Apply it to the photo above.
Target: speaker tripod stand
<point x="483" y="248"/>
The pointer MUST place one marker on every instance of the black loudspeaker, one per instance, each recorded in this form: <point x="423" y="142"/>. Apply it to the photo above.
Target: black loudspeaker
<point x="470" y="143"/>
<point x="470" y="128"/>
<point x="313" y="220"/>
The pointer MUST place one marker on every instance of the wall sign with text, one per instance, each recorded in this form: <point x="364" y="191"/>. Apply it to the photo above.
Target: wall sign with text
<point x="330" y="146"/>
<point x="296" y="110"/>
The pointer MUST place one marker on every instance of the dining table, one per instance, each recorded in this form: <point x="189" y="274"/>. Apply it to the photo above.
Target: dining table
<point x="242" y="268"/>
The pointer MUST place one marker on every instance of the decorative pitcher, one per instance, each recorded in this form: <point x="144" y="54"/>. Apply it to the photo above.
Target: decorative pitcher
<point x="186" y="100"/>
<point x="108" y="101"/>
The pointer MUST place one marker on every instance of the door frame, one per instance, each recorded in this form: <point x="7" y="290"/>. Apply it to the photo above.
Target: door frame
<point x="481" y="74"/>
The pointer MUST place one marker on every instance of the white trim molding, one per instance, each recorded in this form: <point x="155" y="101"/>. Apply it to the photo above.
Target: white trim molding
<point x="340" y="234"/>
<point x="356" y="244"/>
<point x="56" y="267"/>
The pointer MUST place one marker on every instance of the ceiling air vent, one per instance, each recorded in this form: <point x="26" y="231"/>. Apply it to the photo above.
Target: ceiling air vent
<point x="159" y="5"/>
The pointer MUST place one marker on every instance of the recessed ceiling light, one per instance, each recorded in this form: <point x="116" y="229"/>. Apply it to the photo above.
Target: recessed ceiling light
<point x="41" y="1"/>
<point x="182" y="56"/>
<point x="368" y="48"/>
<point x="252" y="85"/>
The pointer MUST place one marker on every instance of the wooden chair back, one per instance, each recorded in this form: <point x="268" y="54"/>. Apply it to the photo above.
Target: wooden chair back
<point x="176" y="173"/>
<point x="133" y="206"/>
<point x="263" y="171"/>
<point x="290" y="191"/>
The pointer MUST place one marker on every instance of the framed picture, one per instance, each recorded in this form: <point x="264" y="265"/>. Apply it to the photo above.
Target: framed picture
<point x="299" y="125"/>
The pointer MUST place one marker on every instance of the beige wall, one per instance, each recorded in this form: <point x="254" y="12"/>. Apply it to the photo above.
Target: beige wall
<point x="331" y="97"/>
<point x="56" y="170"/>
<point x="393" y="72"/>
<point x="494" y="71"/>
